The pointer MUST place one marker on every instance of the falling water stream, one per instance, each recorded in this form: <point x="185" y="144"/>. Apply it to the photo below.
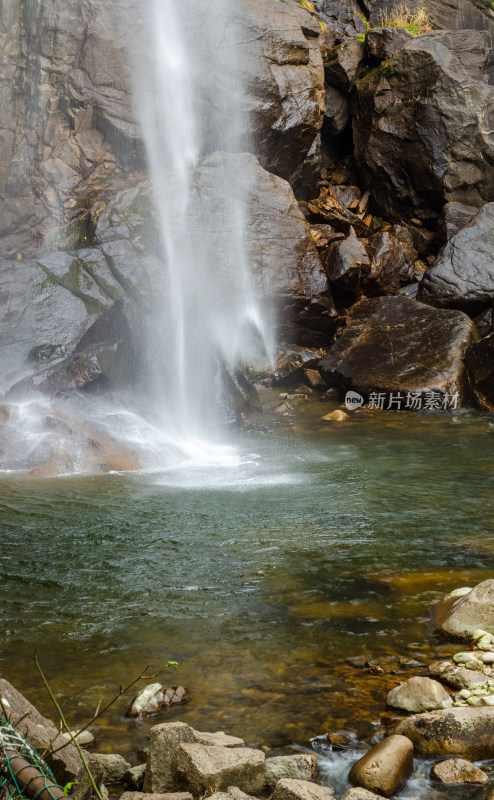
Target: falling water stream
<point x="190" y="99"/>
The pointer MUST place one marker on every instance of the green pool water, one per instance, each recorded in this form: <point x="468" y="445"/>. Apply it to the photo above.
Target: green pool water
<point x="319" y="542"/>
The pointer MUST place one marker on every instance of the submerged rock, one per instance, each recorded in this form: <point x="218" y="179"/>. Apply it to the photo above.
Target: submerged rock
<point x="469" y="731"/>
<point x="465" y="610"/>
<point x="385" y="767"/>
<point x="155" y="697"/>
<point x="458" y="770"/>
<point x="203" y="769"/>
<point x="396" y="345"/>
<point x="418" y="694"/>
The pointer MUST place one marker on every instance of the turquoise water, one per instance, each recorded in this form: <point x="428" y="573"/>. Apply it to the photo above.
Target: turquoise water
<point x="318" y="542"/>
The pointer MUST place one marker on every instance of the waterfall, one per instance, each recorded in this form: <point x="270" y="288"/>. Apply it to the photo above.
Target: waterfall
<point x="191" y="103"/>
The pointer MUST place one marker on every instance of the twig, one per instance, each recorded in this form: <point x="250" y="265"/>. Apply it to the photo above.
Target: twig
<point x="64" y="723"/>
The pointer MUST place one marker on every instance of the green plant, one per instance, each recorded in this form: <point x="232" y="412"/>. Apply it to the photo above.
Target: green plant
<point x="97" y="714"/>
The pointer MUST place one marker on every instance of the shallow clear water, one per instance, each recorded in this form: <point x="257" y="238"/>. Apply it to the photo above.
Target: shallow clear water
<point x="316" y="543"/>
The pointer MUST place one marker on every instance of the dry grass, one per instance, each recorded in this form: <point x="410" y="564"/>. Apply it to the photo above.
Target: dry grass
<point x="416" y="21"/>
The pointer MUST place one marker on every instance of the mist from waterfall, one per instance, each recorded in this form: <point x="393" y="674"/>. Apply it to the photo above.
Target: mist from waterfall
<point x="190" y="100"/>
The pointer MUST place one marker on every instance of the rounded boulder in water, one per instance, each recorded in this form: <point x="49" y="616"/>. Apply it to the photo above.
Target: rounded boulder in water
<point x="386" y="767"/>
<point x="419" y="694"/>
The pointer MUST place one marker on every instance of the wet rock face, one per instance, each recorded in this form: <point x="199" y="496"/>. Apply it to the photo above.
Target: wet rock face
<point x="464" y="611"/>
<point x="453" y="14"/>
<point x="394" y="344"/>
<point x="463" y="274"/>
<point x="287" y="271"/>
<point x="469" y="731"/>
<point x="421" y="126"/>
<point x="385" y="767"/>
<point x="282" y="63"/>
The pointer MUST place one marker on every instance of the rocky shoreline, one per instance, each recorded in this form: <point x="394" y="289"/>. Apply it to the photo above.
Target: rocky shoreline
<point x="444" y="713"/>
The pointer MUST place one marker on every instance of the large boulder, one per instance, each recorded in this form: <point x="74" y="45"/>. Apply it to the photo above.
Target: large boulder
<point x="62" y="757"/>
<point x="462" y="612"/>
<point x="385" y="767"/>
<point x="418" y="694"/>
<point x="422" y="129"/>
<point x="463" y="274"/>
<point x="468" y="732"/>
<point x="394" y="345"/>
<point x="203" y="769"/>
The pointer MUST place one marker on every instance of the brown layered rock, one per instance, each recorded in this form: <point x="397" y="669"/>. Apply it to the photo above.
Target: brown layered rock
<point x="386" y="767"/>
<point x="396" y="345"/>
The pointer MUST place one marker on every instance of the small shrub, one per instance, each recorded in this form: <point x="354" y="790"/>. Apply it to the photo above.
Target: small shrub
<point x="416" y="21"/>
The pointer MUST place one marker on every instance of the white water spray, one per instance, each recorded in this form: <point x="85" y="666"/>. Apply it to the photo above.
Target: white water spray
<point x="191" y="102"/>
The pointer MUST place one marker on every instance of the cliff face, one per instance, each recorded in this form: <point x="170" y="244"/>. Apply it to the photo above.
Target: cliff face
<point x="76" y="231"/>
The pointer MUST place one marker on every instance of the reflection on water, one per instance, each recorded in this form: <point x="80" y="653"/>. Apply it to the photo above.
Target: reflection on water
<point x="260" y="578"/>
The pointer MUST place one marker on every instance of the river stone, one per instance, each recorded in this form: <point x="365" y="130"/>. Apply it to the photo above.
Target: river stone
<point x="292" y="789"/>
<point x="82" y="789"/>
<point x="458" y="677"/>
<point x="394" y="344"/>
<point x="115" y="766"/>
<point x="41" y="733"/>
<point x="156" y="796"/>
<point x="232" y="793"/>
<point x="134" y="777"/>
<point x="164" y="740"/>
<point x="463" y="274"/>
<point x="469" y="731"/>
<point x="358" y="793"/>
<point x="204" y="769"/>
<point x="419" y="694"/>
<point x="458" y="616"/>
<point x="458" y="770"/>
<point x="302" y="766"/>
<point x="385" y="767"/>
<point x="422" y="131"/>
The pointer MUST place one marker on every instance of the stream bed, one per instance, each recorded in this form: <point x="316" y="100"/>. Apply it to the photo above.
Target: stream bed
<point x="316" y="543"/>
